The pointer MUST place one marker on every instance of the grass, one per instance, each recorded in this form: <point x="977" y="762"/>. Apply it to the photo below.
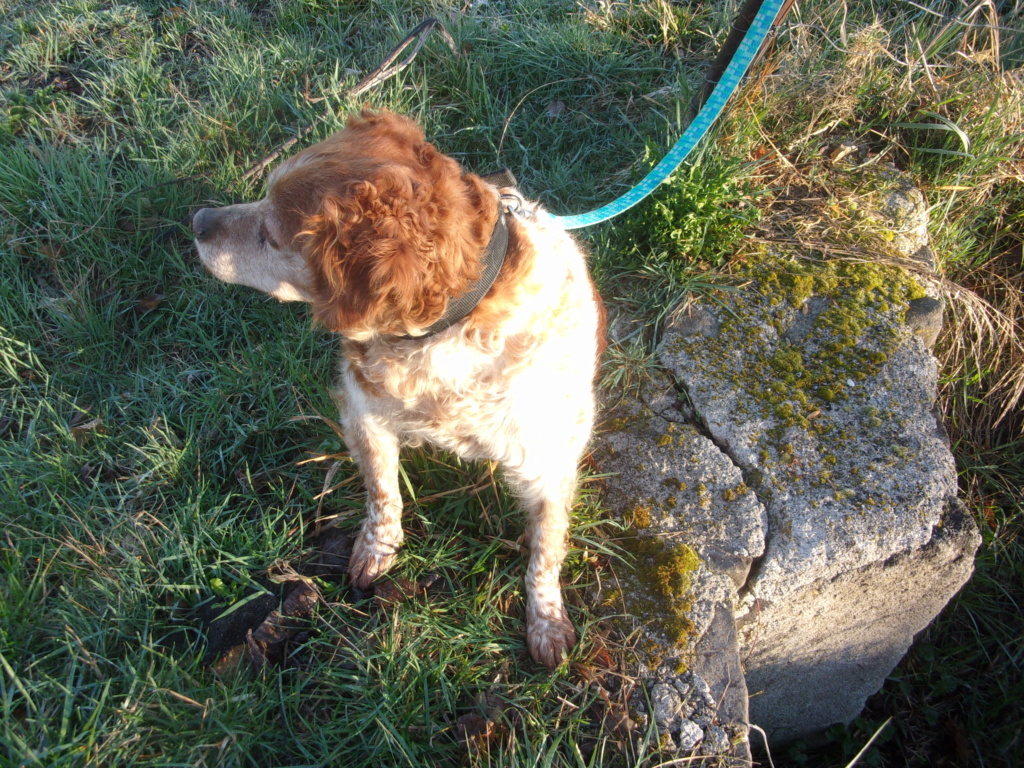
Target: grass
<point x="157" y="427"/>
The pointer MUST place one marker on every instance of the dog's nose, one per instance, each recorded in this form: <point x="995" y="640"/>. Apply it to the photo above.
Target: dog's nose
<point x="204" y="223"/>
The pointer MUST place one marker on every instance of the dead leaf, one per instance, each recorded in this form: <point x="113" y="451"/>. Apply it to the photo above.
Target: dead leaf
<point x="394" y="591"/>
<point x="844" y="149"/>
<point x="228" y="664"/>
<point x="512" y="546"/>
<point x="266" y="644"/>
<point x="255" y="652"/>
<point x="84" y="431"/>
<point x="149" y="303"/>
<point x="475" y="733"/>
<point x="301" y="601"/>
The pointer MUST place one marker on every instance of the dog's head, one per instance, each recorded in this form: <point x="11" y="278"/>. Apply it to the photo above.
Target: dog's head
<point x="374" y="227"/>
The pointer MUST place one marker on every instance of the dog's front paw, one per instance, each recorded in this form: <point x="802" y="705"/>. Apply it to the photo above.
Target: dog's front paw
<point x="370" y="558"/>
<point x="549" y="639"/>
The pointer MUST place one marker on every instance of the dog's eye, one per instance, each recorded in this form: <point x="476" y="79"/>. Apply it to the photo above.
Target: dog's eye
<point x="265" y="238"/>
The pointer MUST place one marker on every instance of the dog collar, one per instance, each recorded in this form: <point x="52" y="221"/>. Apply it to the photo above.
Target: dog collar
<point x="494" y="258"/>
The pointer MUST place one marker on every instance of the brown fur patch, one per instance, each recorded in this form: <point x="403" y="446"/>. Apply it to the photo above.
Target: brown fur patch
<point x="392" y="229"/>
<point x="510" y="286"/>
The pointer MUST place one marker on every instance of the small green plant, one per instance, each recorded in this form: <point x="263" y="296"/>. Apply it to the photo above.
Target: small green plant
<point x="695" y="219"/>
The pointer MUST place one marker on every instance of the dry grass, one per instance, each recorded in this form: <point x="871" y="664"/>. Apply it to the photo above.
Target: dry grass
<point x="936" y="96"/>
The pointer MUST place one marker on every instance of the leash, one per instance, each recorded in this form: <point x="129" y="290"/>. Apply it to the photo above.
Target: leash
<point x="747" y="51"/>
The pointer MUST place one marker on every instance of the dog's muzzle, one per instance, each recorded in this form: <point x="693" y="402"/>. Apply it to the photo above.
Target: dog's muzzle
<point x="205" y="223"/>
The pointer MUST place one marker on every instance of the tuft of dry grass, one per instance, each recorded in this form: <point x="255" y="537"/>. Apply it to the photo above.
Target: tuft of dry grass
<point x="942" y="97"/>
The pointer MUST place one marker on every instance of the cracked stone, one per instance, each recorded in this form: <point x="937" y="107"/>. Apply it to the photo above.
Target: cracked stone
<point x="848" y="507"/>
<point x="716" y="740"/>
<point x="690" y="735"/>
<point x="666" y="704"/>
<point x="852" y="483"/>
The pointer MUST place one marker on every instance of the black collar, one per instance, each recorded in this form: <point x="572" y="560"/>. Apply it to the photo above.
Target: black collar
<point x="493" y="258"/>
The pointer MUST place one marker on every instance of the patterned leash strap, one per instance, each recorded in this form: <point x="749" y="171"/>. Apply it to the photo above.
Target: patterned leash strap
<point x="745" y="54"/>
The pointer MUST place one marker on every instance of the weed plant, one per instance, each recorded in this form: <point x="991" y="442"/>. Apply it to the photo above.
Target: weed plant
<point x="164" y="438"/>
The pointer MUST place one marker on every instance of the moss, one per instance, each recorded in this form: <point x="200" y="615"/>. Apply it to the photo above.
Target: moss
<point x="638" y="517"/>
<point x="858" y="309"/>
<point x="731" y="494"/>
<point x="663" y="598"/>
<point x="616" y="425"/>
<point x="675" y="484"/>
<point x="610" y="597"/>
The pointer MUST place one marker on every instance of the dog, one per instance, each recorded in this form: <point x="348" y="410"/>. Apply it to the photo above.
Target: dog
<point x="467" y="317"/>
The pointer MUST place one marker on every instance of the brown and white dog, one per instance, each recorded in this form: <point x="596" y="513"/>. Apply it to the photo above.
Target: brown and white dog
<point x="383" y="235"/>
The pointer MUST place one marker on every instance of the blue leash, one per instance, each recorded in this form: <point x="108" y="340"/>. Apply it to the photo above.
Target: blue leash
<point x="741" y="61"/>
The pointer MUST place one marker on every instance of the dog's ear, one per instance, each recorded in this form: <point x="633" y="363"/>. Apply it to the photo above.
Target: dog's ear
<point x="387" y="253"/>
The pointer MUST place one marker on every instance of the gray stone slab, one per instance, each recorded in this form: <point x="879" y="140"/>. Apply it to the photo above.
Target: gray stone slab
<point x="866" y="478"/>
<point x="672" y="485"/>
<point x="792" y="464"/>
<point x="814" y="659"/>
<point x="839" y="439"/>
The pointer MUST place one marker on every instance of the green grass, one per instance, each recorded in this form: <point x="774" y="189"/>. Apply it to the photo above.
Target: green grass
<point x="156" y="425"/>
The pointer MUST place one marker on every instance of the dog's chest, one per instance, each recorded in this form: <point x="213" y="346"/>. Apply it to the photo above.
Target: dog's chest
<point x="454" y="396"/>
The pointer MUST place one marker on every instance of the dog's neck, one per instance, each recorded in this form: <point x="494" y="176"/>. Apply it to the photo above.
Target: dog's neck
<point x="492" y="259"/>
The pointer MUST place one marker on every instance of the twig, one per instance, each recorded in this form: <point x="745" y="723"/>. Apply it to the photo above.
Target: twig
<point x="383" y="72"/>
<point x="871" y="741"/>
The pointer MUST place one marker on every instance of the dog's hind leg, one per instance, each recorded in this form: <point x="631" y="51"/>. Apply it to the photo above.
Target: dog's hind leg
<point x="375" y="449"/>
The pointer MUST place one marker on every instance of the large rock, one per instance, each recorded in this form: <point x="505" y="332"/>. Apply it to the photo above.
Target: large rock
<point x="799" y="418"/>
<point x="816" y="387"/>
<point x="843" y="447"/>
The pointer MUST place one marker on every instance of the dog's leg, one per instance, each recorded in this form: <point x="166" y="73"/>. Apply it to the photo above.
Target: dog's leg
<point x="375" y="449"/>
<point x="549" y="633"/>
<point x="547" y="499"/>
